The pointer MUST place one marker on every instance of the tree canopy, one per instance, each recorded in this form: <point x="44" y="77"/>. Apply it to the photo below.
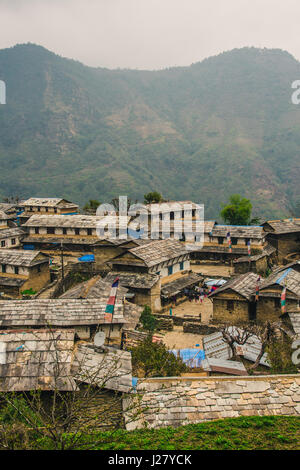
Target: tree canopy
<point x="237" y="211"/>
<point x="152" y="197"/>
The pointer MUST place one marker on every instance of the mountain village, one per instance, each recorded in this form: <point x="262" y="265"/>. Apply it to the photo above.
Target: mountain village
<point x="71" y="306"/>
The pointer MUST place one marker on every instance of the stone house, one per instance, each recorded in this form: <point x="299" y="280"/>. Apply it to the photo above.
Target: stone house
<point x="257" y="263"/>
<point x="269" y="303"/>
<point x="216" y="248"/>
<point x="23" y="270"/>
<point x="50" y="206"/>
<point x="98" y="288"/>
<point x="4" y="218"/>
<point x="234" y="302"/>
<point x="77" y="234"/>
<point x="284" y="235"/>
<point x="85" y="316"/>
<point x="11" y="237"/>
<point x="160" y="262"/>
<point x="143" y="289"/>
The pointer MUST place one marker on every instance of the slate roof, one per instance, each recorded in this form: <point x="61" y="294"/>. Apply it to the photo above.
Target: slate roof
<point x="282" y="226"/>
<point x="294" y="265"/>
<point x="239" y="231"/>
<point x="11" y="282"/>
<point x="76" y="221"/>
<point x="7" y="208"/>
<point x="39" y="359"/>
<point x="11" y="232"/>
<point x="224" y="366"/>
<point x="109" y="368"/>
<point x="3" y="215"/>
<point x="176" y="286"/>
<point x="55" y="240"/>
<point x="245" y="285"/>
<point x="97" y="288"/>
<point x="237" y="250"/>
<point x="48" y="202"/>
<point x="167" y="206"/>
<point x="159" y="251"/>
<point x="57" y="313"/>
<point x="266" y="252"/>
<point x="288" y="278"/>
<point x="134" y="280"/>
<point x="24" y="258"/>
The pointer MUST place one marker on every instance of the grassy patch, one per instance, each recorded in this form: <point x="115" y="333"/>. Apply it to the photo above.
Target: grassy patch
<point x="245" y="433"/>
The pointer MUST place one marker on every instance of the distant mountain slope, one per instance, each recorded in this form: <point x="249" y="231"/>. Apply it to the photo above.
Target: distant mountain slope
<point x="202" y="132"/>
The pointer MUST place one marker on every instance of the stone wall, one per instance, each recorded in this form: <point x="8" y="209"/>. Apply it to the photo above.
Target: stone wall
<point x="199" y="328"/>
<point x="221" y="313"/>
<point x="184" y="400"/>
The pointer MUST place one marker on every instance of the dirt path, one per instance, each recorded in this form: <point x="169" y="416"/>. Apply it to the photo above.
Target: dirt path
<point x="212" y="269"/>
<point x="176" y="339"/>
<point x="194" y="309"/>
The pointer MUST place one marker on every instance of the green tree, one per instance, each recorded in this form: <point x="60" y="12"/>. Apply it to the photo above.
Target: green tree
<point x="148" y="320"/>
<point x="238" y="211"/>
<point x="91" y="206"/>
<point x="154" y="360"/>
<point x="153" y="197"/>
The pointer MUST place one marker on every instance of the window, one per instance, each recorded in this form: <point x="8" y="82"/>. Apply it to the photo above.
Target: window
<point x="277" y="303"/>
<point x="39" y="209"/>
<point x="89" y="231"/>
<point x="50" y="230"/>
<point x="170" y="270"/>
<point x="234" y="241"/>
<point x="36" y="230"/>
<point x="46" y="209"/>
<point x="4" y="268"/>
<point x="2" y="243"/>
<point x="181" y="266"/>
<point x="230" y="305"/>
<point x="16" y="270"/>
<point x="77" y="231"/>
<point x="247" y="240"/>
<point x="55" y="210"/>
<point x="220" y="240"/>
<point x="64" y="231"/>
<point x="13" y="241"/>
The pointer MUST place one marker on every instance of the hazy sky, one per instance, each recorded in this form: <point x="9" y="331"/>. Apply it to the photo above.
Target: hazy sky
<point x="149" y="34"/>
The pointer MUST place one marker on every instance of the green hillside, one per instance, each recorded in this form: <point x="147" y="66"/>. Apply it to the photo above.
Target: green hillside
<point x="221" y="126"/>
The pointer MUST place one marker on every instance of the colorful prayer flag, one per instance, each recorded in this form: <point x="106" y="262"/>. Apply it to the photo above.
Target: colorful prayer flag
<point x="257" y="290"/>
<point x="283" y="299"/>
<point x="109" y="311"/>
<point x="249" y="248"/>
<point x="229" y="242"/>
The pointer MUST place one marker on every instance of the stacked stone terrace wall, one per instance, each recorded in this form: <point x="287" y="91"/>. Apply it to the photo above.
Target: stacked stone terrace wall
<point x="183" y="400"/>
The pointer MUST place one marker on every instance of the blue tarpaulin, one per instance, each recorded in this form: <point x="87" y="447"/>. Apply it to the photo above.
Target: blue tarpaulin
<point x="87" y="259"/>
<point x="191" y="357"/>
<point x="134" y="382"/>
<point x="26" y="246"/>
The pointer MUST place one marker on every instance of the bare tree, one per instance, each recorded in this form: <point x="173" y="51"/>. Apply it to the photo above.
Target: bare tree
<point x="234" y="335"/>
<point x="241" y="334"/>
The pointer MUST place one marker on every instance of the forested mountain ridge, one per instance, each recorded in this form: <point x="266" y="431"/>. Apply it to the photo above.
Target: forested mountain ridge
<point x="220" y="126"/>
